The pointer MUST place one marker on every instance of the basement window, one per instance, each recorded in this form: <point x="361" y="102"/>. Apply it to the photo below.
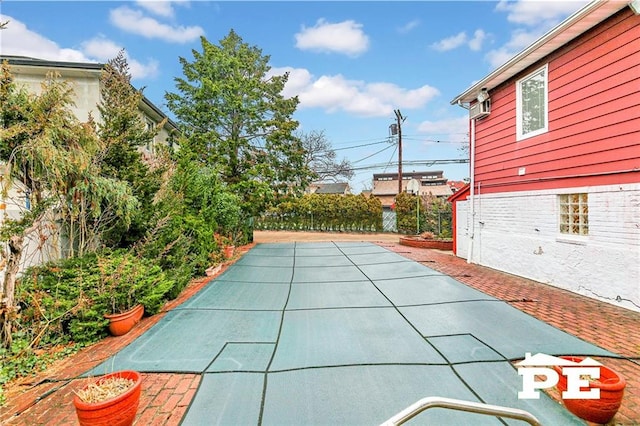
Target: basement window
<point x="574" y="214"/>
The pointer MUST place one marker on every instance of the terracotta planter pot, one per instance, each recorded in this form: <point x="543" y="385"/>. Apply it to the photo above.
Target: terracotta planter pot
<point x="602" y="410"/>
<point x="228" y="251"/>
<point x="120" y="324"/>
<point x="118" y="411"/>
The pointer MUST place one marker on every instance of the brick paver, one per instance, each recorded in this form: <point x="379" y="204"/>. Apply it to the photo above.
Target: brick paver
<point x="46" y="398"/>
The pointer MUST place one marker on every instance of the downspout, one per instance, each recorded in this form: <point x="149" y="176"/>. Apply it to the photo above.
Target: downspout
<point x="472" y="184"/>
<point x="472" y="161"/>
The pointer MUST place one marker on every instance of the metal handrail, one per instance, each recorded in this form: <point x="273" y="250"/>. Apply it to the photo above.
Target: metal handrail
<point x="457" y="404"/>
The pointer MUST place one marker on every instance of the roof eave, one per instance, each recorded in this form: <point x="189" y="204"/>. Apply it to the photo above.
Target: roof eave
<point x="575" y="25"/>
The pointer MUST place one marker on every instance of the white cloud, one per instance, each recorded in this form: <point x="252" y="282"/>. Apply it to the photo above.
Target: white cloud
<point x="162" y="8"/>
<point x="520" y="39"/>
<point x="409" y="26"/>
<point x="532" y="13"/>
<point x="101" y="48"/>
<point x="449" y="129"/>
<point x="336" y="93"/>
<point x="299" y="79"/>
<point x="534" y="19"/>
<point x="19" y="40"/>
<point x="475" y="43"/>
<point x="344" y="37"/>
<point x="134" y="21"/>
<point x="104" y="49"/>
<point x="446" y="126"/>
<point x="461" y="39"/>
<point x="450" y="43"/>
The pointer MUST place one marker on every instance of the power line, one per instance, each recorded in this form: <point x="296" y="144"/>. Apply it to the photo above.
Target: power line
<point x="361" y="146"/>
<point x="390" y="159"/>
<point x="434" y="140"/>
<point x="374" y="154"/>
<point x="427" y="163"/>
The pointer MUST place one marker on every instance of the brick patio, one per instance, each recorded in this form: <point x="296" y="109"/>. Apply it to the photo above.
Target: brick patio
<point x="46" y="398"/>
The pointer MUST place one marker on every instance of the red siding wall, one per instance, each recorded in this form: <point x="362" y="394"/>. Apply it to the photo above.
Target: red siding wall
<point x="594" y="117"/>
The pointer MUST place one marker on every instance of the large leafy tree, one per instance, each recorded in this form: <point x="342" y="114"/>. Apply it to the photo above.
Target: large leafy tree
<point x="235" y="118"/>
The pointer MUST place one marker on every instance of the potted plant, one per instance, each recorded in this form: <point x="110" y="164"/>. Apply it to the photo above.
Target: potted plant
<point x="121" y="323"/>
<point x="128" y="287"/>
<point x="600" y="410"/>
<point x="226" y="244"/>
<point x="119" y="285"/>
<point x="111" y="400"/>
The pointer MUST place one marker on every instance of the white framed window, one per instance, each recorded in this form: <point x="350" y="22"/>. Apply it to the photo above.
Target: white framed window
<point x="150" y="125"/>
<point x="574" y="214"/>
<point x="532" y="104"/>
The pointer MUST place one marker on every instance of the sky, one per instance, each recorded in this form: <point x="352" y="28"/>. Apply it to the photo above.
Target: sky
<point x="351" y="64"/>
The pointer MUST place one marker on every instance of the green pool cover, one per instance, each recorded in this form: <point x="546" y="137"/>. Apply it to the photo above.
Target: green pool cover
<point x="345" y="333"/>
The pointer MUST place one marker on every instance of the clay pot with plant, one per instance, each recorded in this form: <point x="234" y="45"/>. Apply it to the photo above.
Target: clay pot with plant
<point x="226" y="245"/>
<point x="117" y="286"/>
<point x="111" y="400"/>
<point x="128" y="286"/>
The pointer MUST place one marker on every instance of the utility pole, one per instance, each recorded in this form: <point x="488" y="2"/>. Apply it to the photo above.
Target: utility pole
<point x="399" y="119"/>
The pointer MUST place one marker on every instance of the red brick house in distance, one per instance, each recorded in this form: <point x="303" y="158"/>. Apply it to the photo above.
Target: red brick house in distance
<point x="555" y="159"/>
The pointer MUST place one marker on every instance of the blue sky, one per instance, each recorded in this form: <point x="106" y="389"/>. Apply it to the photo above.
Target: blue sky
<point x="351" y="63"/>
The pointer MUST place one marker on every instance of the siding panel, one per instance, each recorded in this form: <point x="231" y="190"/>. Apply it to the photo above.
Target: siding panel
<point x="594" y="116"/>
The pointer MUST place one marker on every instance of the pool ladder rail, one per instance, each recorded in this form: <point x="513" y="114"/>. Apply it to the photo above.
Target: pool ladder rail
<point x="460" y="405"/>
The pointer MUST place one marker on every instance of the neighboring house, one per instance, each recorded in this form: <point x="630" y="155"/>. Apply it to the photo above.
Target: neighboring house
<point x="456" y="185"/>
<point x="385" y="185"/>
<point x="85" y="81"/>
<point x="555" y="159"/>
<point x="84" y="78"/>
<point x="340" y="188"/>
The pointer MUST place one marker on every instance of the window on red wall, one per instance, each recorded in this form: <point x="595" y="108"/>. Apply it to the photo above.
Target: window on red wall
<point x="532" y="104"/>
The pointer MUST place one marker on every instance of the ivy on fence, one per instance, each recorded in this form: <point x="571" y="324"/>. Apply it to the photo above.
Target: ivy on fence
<point x="434" y="215"/>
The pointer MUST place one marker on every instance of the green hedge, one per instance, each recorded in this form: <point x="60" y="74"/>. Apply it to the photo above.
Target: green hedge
<point x="325" y="212"/>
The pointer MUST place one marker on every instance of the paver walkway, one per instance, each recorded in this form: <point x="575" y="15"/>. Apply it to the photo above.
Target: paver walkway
<point x="46" y="399"/>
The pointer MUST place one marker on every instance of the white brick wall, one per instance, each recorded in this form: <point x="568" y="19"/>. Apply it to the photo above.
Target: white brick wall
<point x="518" y="233"/>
